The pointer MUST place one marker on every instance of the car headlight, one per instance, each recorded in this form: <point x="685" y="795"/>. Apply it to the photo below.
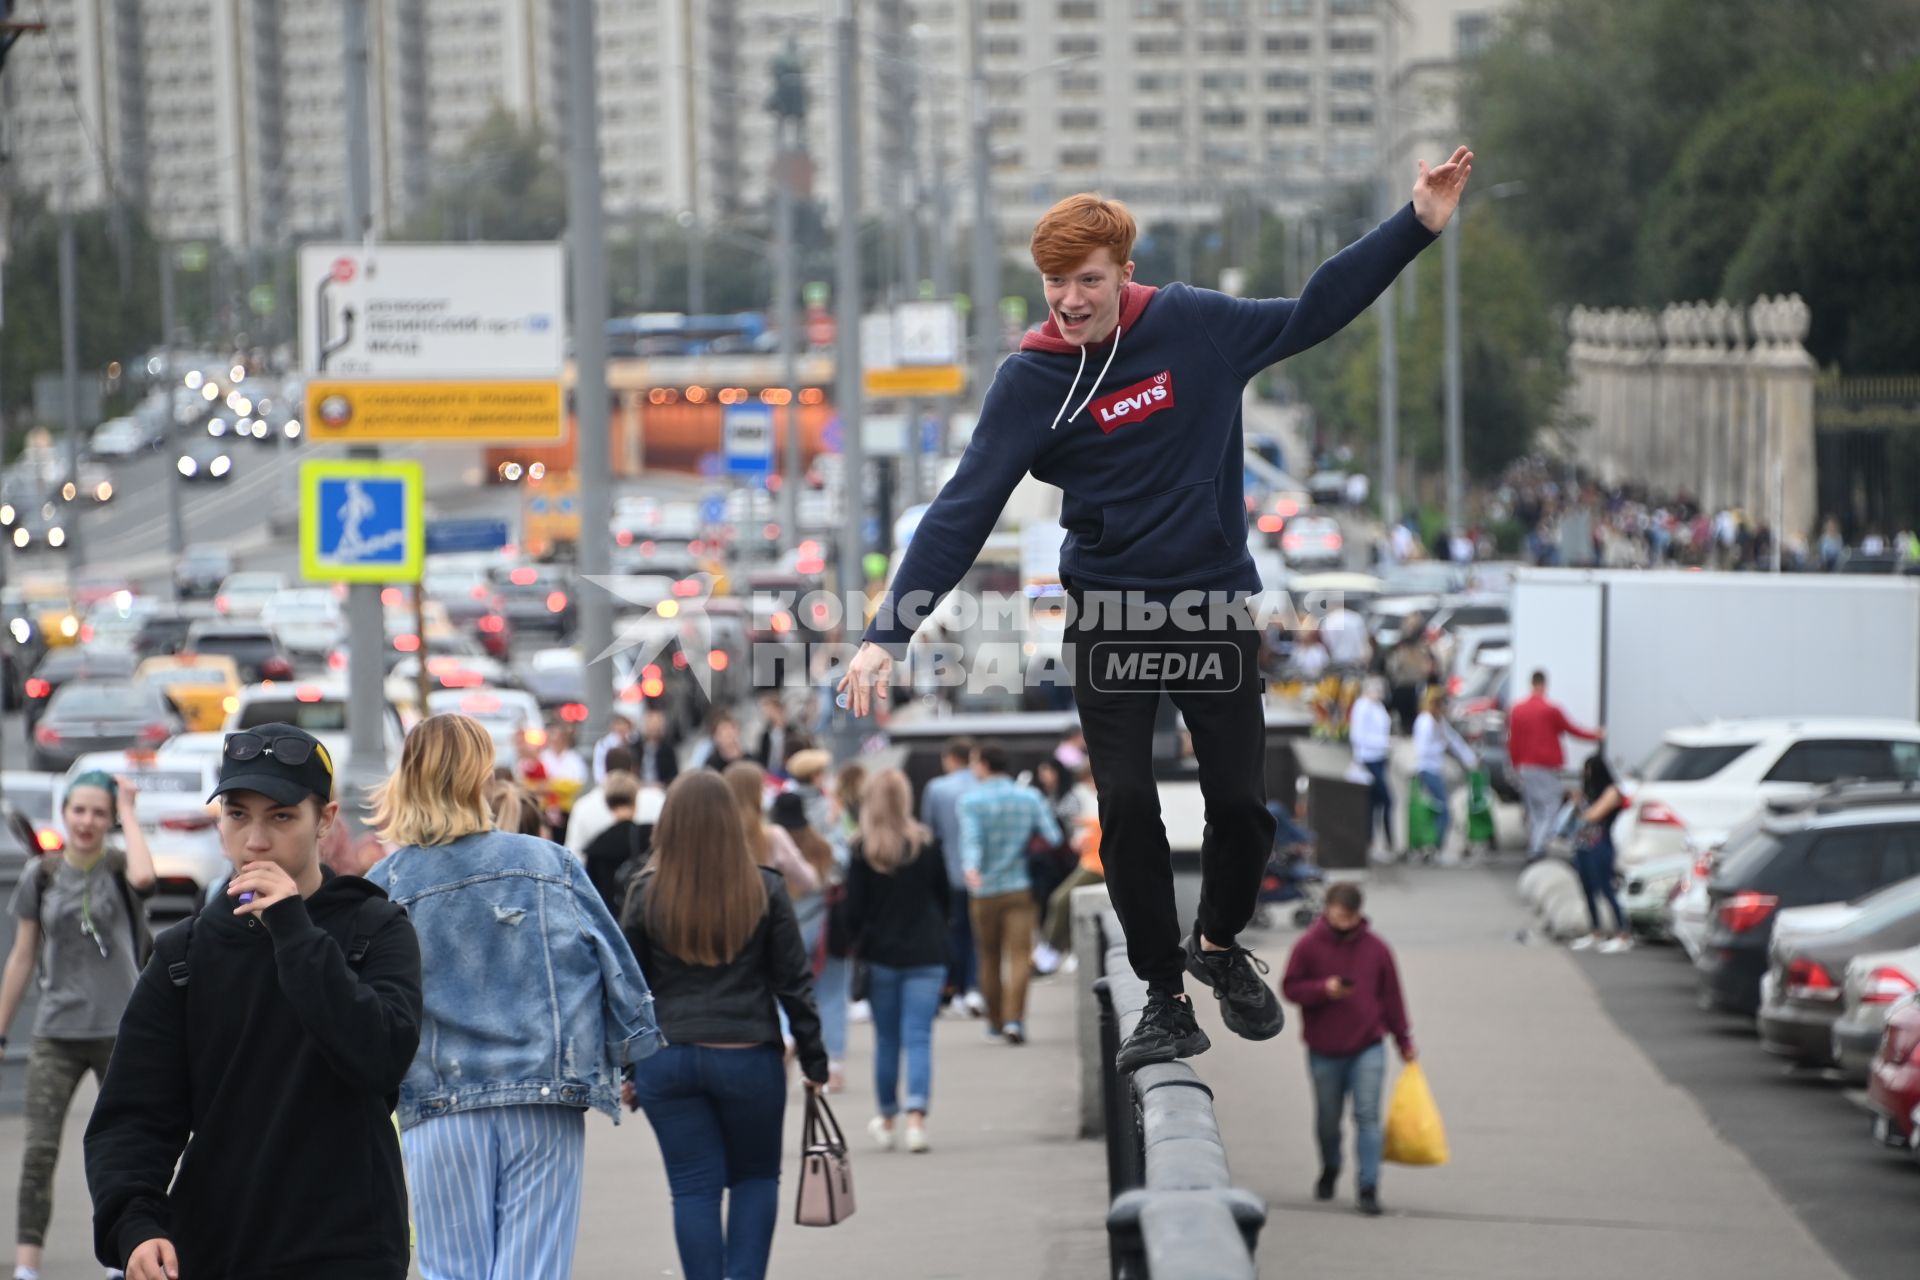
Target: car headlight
<point x="220" y="466"/>
<point x="69" y="625"/>
<point x="21" y="538"/>
<point x="188" y="466"/>
<point x="103" y="491"/>
<point x="57" y="537"/>
<point x="21" y="631"/>
<point x="217" y="427"/>
<point x="293" y="428"/>
<point x="6" y="514"/>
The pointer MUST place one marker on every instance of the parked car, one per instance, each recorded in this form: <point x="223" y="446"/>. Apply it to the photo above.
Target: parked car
<point x="1836" y="849"/>
<point x="200" y="571"/>
<point x="101" y="715"/>
<point x="1808" y="961"/>
<point x="1873" y="984"/>
<point x="175" y="818"/>
<point x="251" y="645"/>
<point x="75" y="662"/>
<point x="1711" y="777"/>
<point x="203" y="686"/>
<point x="244" y="596"/>
<point x="1893" y="1087"/>
<point x="1424" y="578"/>
<point x="1313" y="542"/>
<point x="1480" y="715"/>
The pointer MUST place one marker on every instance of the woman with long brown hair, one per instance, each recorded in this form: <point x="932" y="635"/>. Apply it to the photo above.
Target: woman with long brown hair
<point x="897" y="904"/>
<point x="716" y="935"/>
<point x="770" y="845"/>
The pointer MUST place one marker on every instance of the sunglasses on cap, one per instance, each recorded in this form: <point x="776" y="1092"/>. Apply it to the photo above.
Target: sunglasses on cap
<point x="288" y="750"/>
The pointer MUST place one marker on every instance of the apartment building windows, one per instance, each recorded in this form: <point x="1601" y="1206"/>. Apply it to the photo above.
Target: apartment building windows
<point x="1223" y="81"/>
<point x="1156" y="46"/>
<point x="1222" y="43"/>
<point x="1289" y="81"/>
<point x="1472" y="33"/>
<point x="1361" y="81"/>
<point x="1290" y="42"/>
<point x="1349" y="8"/>
<point x="1289" y="117"/>
<point x="1350" y="42"/>
<point x="1287" y="8"/>
<point x="1157" y="120"/>
<point x="1156" y="9"/>
<point x="1079" y="10"/>
<point x="1005" y="120"/>
<point x="1078" y="46"/>
<point x="1079" y="121"/>
<point x="1003" y="11"/>
<point x="1223" y="10"/>
<point x="1080" y="82"/>
<point x="1160" y="82"/>
<point x="1224" y="118"/>
<point x="1080" y="158"/>
<point x="1003" y="46"/>
<point x="1353" y="116"/>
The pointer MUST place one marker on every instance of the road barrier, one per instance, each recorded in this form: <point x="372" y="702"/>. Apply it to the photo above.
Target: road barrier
<point x="1175" y="1213"/>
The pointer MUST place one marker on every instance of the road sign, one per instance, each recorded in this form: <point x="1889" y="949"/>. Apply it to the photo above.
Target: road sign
<point x="747" y="438"/>
<point x="447" y="536"/>
<point x="916" y="380"/>
<point x="832" y="438"/>
<point x="362" y="411"/>
<point x="926" y="333"/>
<point x="713" y="509"/>
<point x="362" y="521"/>
<point x="432" y="311"/>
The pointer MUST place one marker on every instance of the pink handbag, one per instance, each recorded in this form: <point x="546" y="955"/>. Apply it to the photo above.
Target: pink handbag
<point x="826" y="1174"/>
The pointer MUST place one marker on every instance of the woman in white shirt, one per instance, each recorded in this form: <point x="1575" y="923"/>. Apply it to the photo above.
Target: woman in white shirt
<point x="1370" y="734"/>
<point x="1433" y="738"/>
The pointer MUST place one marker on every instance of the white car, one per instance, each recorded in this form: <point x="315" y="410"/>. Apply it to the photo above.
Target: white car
<point x="244" y="596"/>
<point x="175" y="817"/>
<point x="321" y="708"/>
<point x="1714" y="777"/>
<point x="506" y="714"/>
<point x="307" y="621"/>
<point x="117" y="438"/>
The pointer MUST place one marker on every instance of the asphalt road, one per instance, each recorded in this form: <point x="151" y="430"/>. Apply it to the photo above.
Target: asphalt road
<point x="1799" y="1130"/>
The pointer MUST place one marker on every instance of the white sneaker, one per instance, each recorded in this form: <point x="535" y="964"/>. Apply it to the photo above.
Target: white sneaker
<point x="917" y="1139"/>
<point x="1585" y="942"/>
<point x="881" y="1132"/>
<point x="1046" y="961"/>
<point x="1614" y="946"/>
<point x="1070" y="965"/>
<point x="859" y="1011"/>
<point x="976" y="1004"/>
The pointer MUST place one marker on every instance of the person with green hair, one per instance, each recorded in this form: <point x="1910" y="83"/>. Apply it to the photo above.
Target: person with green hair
<point x="81" y="924"/>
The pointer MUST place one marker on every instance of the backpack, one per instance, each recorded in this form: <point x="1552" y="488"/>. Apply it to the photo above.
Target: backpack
<point x="136" y="908"/>
<point x="367" y="921"/>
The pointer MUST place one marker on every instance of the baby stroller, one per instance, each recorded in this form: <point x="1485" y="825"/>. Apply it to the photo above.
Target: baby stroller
<point x="1292" y="877"/>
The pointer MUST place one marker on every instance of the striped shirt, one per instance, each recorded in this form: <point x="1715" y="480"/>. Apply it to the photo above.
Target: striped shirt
<point x="997" y="819"/>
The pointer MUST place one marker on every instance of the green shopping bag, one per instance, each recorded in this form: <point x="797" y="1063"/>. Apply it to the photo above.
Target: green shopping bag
<point x="1479" y="808"/>
<point x="1422" y="831"/>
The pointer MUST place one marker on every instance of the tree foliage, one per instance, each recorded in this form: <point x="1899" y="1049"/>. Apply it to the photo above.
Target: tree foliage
<point x="507" y="183"/>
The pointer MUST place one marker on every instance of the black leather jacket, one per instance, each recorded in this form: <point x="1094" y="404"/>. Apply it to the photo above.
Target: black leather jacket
<point x="733" y="1003"/>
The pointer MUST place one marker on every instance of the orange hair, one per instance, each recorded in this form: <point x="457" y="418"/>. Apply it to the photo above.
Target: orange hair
<point x="1070" y="232"/>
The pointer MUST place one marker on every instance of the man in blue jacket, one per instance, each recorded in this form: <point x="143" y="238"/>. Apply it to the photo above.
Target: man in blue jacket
<point x="1128" y="400"/>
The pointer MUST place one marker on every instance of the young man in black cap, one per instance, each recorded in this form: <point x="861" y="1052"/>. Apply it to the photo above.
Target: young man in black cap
<point x="266" y="1041"/>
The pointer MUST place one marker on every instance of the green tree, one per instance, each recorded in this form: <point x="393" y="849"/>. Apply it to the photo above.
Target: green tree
<point x="506" y="184"/>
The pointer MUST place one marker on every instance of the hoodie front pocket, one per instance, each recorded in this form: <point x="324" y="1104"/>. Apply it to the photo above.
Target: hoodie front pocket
<point x="1160" y="538"/>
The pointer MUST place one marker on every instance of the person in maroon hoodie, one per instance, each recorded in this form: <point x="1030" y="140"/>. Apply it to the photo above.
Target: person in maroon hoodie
<point x="1344" y="980"/>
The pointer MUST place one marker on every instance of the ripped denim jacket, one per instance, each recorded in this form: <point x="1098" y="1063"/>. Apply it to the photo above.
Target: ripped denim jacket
<point x="532" y="994"/>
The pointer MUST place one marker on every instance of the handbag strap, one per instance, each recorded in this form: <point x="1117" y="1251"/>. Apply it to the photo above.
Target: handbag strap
<point x="822" y="1127"/>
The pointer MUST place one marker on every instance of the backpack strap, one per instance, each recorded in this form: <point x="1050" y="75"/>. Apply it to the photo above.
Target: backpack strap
<point x="177" y="968"/>
<point x="368" y="920"/>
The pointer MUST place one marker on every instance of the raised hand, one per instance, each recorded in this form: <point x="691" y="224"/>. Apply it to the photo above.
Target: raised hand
<point x="1437" y="191"/>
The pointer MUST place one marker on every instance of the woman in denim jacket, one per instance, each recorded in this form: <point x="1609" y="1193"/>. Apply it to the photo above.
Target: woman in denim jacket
<point x="534" y="1007"/>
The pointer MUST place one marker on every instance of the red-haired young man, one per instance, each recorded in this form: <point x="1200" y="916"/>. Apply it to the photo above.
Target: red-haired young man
<point x="1128" y="399"/>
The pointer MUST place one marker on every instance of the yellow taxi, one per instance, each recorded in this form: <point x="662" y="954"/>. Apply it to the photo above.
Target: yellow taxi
<point x="49" y="604"/>
<point x="206" y="687"/>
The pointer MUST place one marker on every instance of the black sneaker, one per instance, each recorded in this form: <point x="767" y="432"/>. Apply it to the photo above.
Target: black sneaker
<point x="1248" y="1006"/>
<point x="1369" y="1204"/>
<point x="1166" y="1031"/>
<point x="1323" y="1189"/>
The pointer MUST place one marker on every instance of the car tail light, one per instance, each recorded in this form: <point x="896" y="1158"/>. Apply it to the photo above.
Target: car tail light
<point x="1286" y="508"/>
<point x="653" y="687"/>
<point x="1335" y="542"/>
<point x="276" y="669"/>
<point x="574" y="712"/>
<point x="1271" y="524"/>
<point x="47" y="736"/>
<point x="188" y="822"/>
<point x="306" y="693"/>
<point x="1747" y="910"/>
<point x="407" y="643"/>
<point x="717" y="659"/>
<point x="651" y="671"/>
<point x="771" y="533"/>
<point x="1292" y="542"/>
<point x="155" y="734"/>
<point x="49" y="840"/>
<point x="782" y="622"/>
<point x="624" y="537"/>
<point x="1655" y="814"/>
<point x="680" y="661"/>
<point x="1476" y="707"/>
<point x="493" y="624"/>
<point x="810" y="565"/>
<point x="1703" y="865"/>
<point x="390" y="598"/>
<point x="1886" y="985"/>
<point x="337" y="661"/>
<point x="222" y="605"/>
<point x="648" y="547"/>
<point x="1809" y="980"/>
<point x="38" y="688"/>
<point x="556" y="601"/>
<point x="1454" y="685"/>
<point x="86" y="633"/>
<point x="524" y="577"/>
<point x="687" y="587"/>
<point x="479" y="704"/>
<point x="631" y="693"/>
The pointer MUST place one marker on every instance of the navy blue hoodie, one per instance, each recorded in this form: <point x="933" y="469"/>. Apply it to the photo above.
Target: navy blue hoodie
<point x="1141" y="433"/>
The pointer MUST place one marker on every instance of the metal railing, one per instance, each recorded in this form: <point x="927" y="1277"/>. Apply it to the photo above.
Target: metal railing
<point x="1175" y="1213"/>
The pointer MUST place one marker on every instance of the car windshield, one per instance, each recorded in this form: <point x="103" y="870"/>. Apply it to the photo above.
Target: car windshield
<point x="1895" y="902"/>
<point x="100" y="700"/>
<point x="1671" y="762"/>
<point x="326" y="715"/>
<point x="62" y="663"/>
<point x="1746" y="852"/>
<point x="234" y="642"/>
<point x="170" y="676"/>
<point x="1421" y="579"/>
<point x="302" y="611"/>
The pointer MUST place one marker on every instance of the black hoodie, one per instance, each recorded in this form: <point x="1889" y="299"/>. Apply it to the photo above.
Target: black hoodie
<point x="275" y="1068"/>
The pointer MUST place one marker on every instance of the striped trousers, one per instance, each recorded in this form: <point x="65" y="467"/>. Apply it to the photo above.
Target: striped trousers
<point x="496" y="1192"/>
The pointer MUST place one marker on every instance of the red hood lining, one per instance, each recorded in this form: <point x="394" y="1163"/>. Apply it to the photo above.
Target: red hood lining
<point x="1134" y="299"/>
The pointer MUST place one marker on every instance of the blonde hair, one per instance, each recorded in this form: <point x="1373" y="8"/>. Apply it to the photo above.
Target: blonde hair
<point x="889" y="835"/>
<point x="439" y="792"/>
<point x="514" y="808"/>
<point x="704" y="894"/>
<point x="620" y="788"/>
<point x="748" y="783"/>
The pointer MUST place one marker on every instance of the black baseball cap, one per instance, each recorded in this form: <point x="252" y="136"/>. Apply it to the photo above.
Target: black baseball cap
<point x="282" y="762"/>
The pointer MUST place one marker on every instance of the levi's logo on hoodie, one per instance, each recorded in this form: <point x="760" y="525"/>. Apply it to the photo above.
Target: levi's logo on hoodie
<point x="1131" y="404"/>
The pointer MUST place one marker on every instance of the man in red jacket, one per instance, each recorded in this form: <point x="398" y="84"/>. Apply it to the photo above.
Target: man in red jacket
<point x="1343" y="978"/>
<point x="1534" y="729"/>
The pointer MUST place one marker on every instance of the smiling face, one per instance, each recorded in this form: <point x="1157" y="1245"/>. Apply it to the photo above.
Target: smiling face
<point x="1086" y="300"/>
<point x="257" y="828"/>
<point x="88" y="812"/>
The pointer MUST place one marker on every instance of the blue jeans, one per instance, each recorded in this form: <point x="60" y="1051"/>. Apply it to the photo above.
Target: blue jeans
<point x="830" y="990"/>
<point x="963" y="965"/>
<point x="1363" y="1075"/>
<point x="1437" y="788"/>
<point x="905" y="1002"/>
<point x="1379" y="801"/>
<point x="718" y="1114"/>
<point x="1595" y="866"/>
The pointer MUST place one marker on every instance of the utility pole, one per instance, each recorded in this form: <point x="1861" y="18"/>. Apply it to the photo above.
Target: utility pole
<point x="696" y="264"/>
<point x="587" y="242"/>
<point x="788" y="104"/>
<point x="1450" y="321"/>
<point x="176" y="524"/>
<point x="848" y="382"/>
<point x="70" y="359"/>
<point x="1389" y="318"/>
<point x="986" y="253"/>
<point x="366" y="623"/>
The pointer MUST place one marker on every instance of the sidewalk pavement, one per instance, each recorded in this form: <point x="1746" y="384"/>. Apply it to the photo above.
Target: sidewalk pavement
<point x="1572" y="1157"/>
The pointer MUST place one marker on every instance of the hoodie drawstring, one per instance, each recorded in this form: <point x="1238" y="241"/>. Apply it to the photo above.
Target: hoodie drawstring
<point x="1095" y="389"/>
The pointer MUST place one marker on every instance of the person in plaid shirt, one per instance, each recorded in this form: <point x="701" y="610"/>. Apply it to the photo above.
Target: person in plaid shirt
<point x="998" y="819"/>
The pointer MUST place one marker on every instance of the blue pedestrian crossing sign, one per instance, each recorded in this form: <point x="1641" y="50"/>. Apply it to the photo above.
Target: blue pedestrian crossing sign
<point x="747" y="438"/>
<point x="362" y="521"/>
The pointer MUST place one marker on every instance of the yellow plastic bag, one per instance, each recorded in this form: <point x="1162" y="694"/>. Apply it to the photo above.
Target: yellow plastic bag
<point x="1414" y="1133"/>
